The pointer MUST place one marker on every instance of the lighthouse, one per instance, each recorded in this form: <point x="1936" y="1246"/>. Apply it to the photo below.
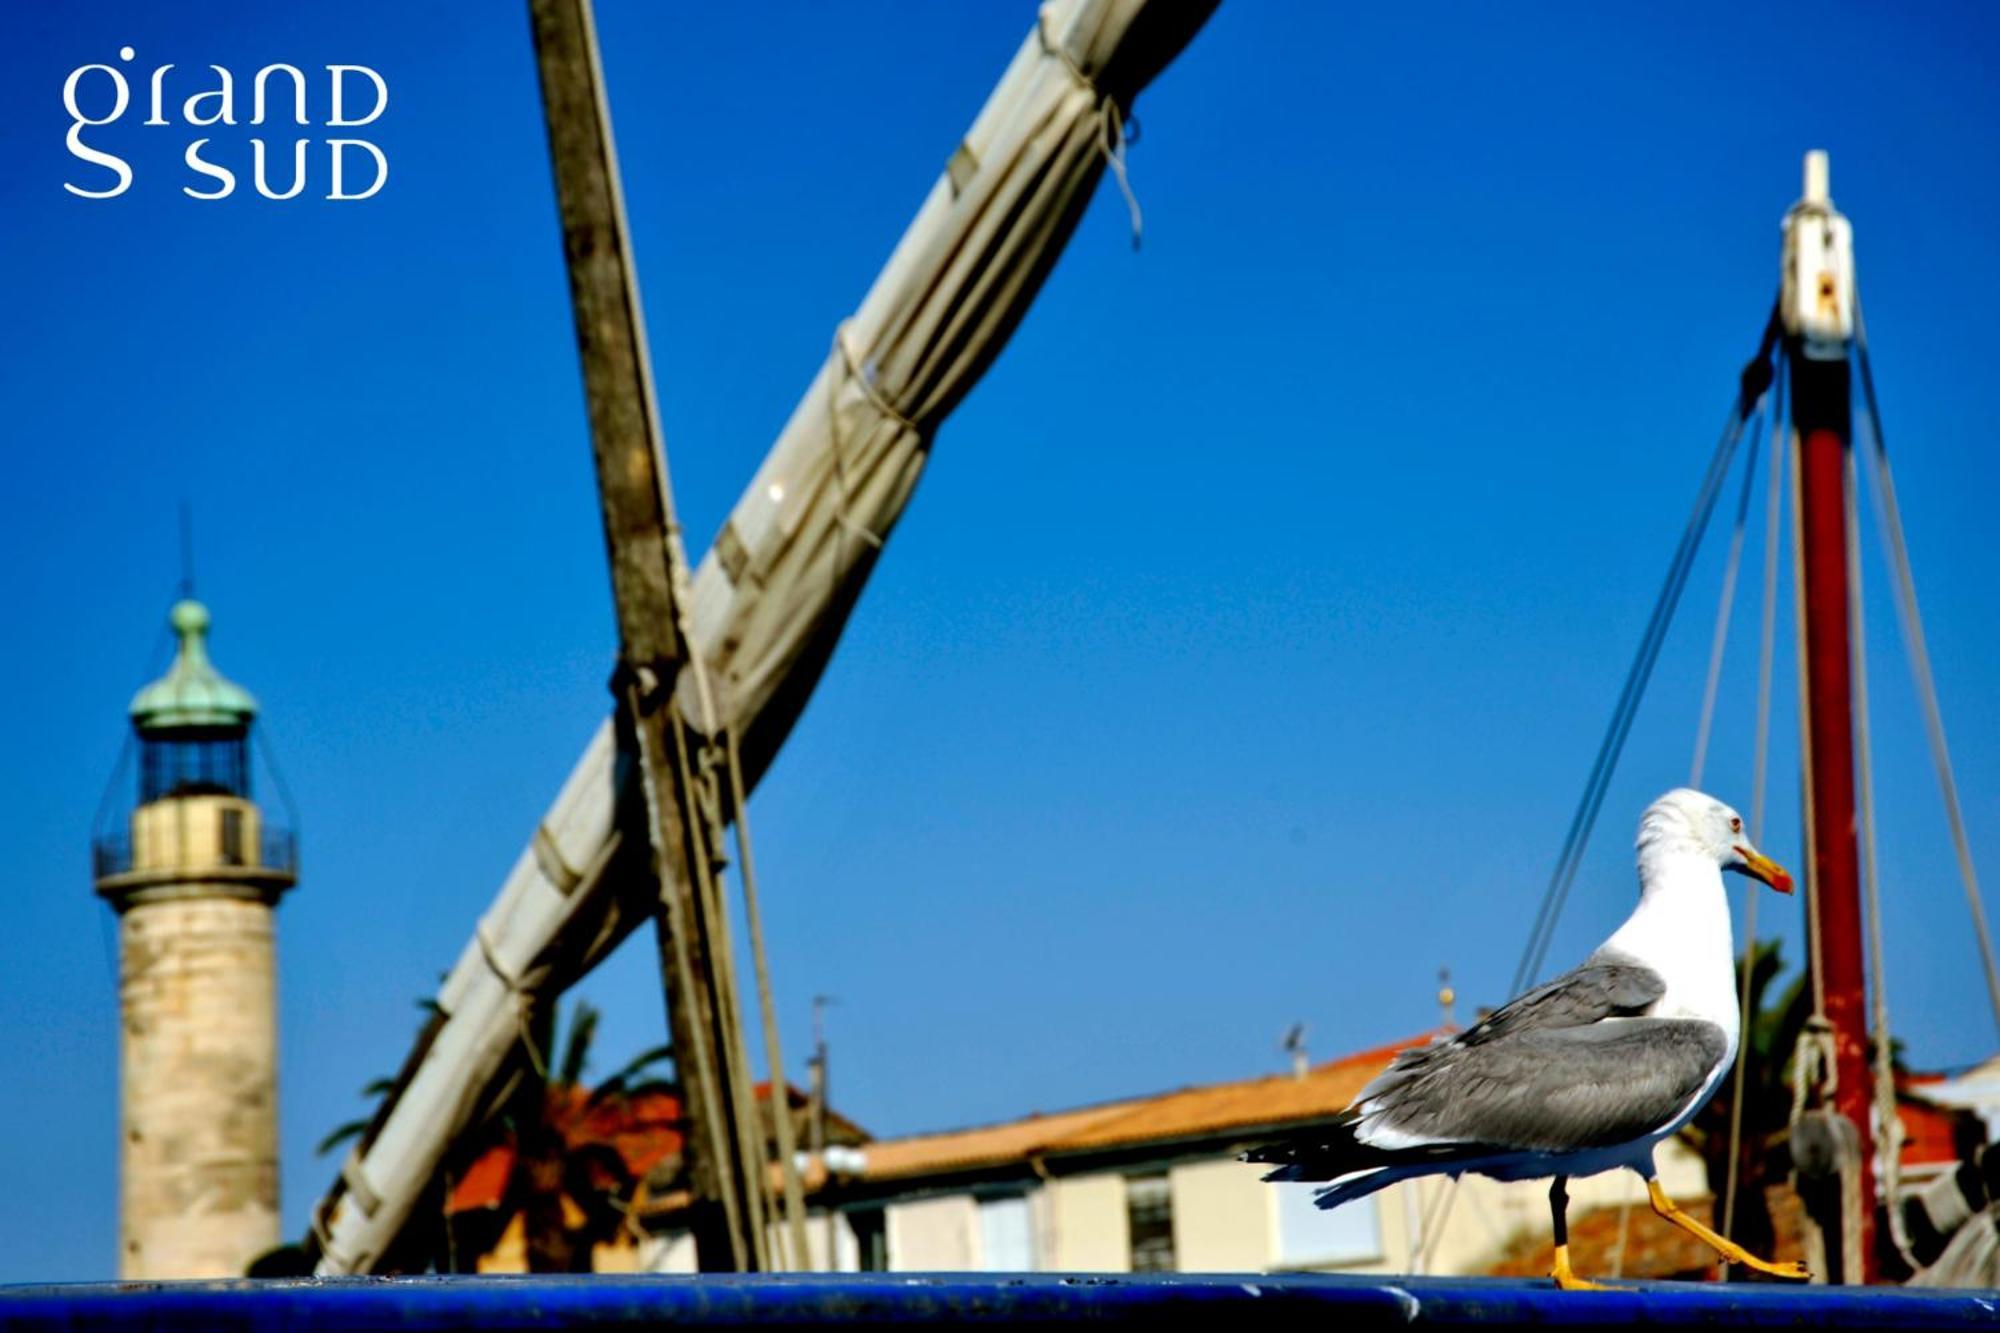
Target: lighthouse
<point x="193" y="876"/>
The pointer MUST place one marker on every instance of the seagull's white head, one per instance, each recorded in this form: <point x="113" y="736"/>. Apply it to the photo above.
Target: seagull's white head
<point x="1685" y="820"/>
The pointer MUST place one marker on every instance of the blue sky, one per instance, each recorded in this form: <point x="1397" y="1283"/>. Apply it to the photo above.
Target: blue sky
<point x="1243" y="652"/>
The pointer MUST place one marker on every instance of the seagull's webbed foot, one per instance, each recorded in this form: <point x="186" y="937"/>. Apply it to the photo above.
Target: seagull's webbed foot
<point x="1731" y="1252"/>
<point x="1568" y="1280"/>
<point x="1565" y="1277"/>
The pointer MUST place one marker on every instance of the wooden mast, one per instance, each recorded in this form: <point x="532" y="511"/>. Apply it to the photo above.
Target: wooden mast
<point x="1819" y="328"/>
<point x="649" y="577"/>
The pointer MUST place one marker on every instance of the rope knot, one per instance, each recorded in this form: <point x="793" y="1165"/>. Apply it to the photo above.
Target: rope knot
<point x="1112" y="140"/>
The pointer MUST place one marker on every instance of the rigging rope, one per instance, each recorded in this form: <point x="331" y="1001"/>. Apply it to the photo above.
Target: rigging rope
<point x="1888" y="1124"/>
<point x="781" y="1091"/>
<point x="1904" y="582"/>
<point x="1755" y="380"/>
<point x="1759" y="774"/>
<point x="1725" y="605"/>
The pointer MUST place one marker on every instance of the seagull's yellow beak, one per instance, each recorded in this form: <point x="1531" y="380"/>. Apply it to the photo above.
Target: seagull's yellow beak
<point x="1758" y="866"/>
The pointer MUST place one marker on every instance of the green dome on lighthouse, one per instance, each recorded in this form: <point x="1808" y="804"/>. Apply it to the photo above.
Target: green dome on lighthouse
<point x="192" y="693"/>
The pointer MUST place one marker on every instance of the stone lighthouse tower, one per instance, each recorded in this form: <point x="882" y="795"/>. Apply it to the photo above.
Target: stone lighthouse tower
<point x="193" y="878"/>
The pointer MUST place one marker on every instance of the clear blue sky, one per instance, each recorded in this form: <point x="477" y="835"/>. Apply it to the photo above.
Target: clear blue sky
<point x="1241" y="657"/>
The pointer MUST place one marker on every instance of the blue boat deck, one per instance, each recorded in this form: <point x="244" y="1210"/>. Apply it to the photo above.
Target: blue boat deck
<point x="1236" y="1304"/>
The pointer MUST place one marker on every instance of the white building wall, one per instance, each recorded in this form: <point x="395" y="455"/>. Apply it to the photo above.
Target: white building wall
<point x="823" y="1227"/>
<point x="1087" y="1224"/>
<point x="673" y="1251"/>
<point x="939" y="1235"/>
<point x="1222" y="1218"/>
<point x="1227" y="1220"/>
<point x="668" y="1252"/>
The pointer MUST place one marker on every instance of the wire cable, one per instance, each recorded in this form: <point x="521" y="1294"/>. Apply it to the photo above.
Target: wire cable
<point x="1920" y="659"/>
<point x="1889" y="1123"/>
<point x="1755" y="380"/>
<point x="1724" y="606"/>
<point x="1760" y="767"/>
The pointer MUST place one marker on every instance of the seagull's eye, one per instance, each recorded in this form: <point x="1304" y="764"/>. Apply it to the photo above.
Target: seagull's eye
<point x="1735" y="824"/>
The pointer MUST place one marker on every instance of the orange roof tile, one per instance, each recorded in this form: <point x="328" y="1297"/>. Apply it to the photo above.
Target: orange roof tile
<point x="986" y="1145"/>
<point x="1931" y="1132"/>
<point x="484" y="1184"/>
<point x="1324" y="1092"/>
<point x="1277" y="1099"/>
<point x="644" y="1131"/>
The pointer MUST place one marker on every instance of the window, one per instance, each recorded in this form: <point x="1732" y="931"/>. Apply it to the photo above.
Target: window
<point x="232" y="837"/>
<point x="194" y="761"/>
<point x="1313" y="1237"/>
<point x="1149" y="1219"/>
<point x="871" y="1240"/>
<point x="1006" y="1234"/>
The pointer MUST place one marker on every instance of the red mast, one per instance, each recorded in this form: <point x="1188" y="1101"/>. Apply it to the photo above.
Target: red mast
<point x="1818" y="303"/>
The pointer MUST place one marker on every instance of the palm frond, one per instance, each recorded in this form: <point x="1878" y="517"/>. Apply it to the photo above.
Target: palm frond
<point x="576" y="1050"/>
<point x="353" y="1129"/>
<point x="621" y="1084"/>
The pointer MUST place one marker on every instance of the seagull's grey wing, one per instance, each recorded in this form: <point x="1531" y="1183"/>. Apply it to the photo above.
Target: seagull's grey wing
<point x="1609" y="985"/>
<point x="1546" y="1089"/>
<point x="1572" y="1063"/>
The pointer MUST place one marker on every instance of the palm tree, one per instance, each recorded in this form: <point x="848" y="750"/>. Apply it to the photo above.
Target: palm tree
<point x="561" y="1150"/>
<point x="564" y="1157"/>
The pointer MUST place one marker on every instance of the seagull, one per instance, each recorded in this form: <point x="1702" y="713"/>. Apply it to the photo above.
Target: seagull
<point x="1584" y="1074"/>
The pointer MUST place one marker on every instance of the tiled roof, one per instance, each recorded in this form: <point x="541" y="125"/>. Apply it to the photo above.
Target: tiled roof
<point x="988" y="1145"/>
<point x="1217" y="1108"/>
<point x="644" y="1129"/>
<point x="1933" y="1134"/>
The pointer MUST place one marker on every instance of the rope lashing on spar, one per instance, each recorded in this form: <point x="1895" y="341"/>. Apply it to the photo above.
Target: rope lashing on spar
<point x="1112" y="143"/>
<point x="852" y="371"/>
<point x="1111" y="138"/>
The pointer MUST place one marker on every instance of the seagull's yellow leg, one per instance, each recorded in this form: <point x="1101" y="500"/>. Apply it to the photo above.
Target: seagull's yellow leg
<point x="1569" y="1281"/>
<point x="1559" y="1219"/>
<point x="1731" y="1252"/>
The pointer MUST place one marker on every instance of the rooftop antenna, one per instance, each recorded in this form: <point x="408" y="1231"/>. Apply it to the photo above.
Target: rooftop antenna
<point x="820" y="1004"/>
<point x="816" y="1109"/>
<point x="187" y="550"/>
<point x="1294" y="1045"/>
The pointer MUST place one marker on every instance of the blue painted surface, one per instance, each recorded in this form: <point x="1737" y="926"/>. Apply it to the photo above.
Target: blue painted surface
<point x="1324" y="1304"/>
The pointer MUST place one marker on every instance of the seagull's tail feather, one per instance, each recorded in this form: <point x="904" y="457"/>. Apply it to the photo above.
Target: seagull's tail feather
<point x="1326" y="1154"/>
<point x="1353" y="1187"/>
<point x="1355" y="1168"/>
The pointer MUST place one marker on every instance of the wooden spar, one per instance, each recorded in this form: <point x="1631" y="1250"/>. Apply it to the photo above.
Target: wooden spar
<point x="1818" y="338"/>
<point x="956" y="285"/>
<point x="649" y="576"/>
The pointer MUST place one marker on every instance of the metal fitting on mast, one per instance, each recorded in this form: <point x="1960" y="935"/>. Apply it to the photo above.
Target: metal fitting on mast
<point x="1817" y="300"/>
